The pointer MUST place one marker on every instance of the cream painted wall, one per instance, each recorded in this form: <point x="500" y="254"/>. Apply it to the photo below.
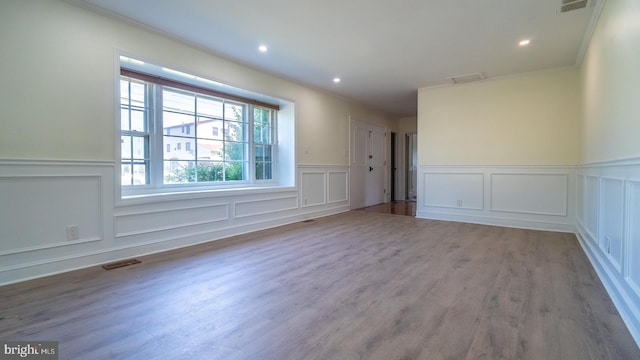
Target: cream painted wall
<point x="610" y="76"/>
<point x="408" y="124"/>
<point x="529" y="119"/>
<point x="58" y="67"/>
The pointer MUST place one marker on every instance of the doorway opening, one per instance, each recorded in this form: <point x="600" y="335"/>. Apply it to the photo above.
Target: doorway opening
<point x="392" y="186"/>
<point x="411" y="166"/>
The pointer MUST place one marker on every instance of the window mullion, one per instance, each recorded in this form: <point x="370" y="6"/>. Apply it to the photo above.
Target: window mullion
<point x="156" y="139"/>
<point x="274" y="147"/>
<point x="195" y="133"/>
<point x="251" y="163"/>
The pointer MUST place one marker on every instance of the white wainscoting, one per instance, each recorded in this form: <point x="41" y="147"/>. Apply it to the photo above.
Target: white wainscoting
<point x="54" y="199"/>
<point x="533" y="197"/>
<point x="270" y="205"/>
<point x="338" y="186"/>
<point x="608" y="224"/>
<point x="324" y="186"/>
<point x="464" y="190"/>
<point x="314" y="185"/>
<point x="539" y="194"/>
<point x="136" y="222"/>
<point x="38" y="201"/>
<point x="40" y="198"/>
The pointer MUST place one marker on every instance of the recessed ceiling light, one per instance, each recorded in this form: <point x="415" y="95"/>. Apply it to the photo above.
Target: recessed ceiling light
<point x="525" y="42"/>
<point x="263" y="48"/>
<point x="336" y="80"/>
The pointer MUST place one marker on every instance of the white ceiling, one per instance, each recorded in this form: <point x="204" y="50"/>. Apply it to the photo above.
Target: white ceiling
<point x="383" y="50"/>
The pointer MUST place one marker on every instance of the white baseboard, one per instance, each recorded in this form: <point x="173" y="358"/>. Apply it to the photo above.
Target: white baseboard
<point x="496" y="221"/>
<point x="615" y="286"/>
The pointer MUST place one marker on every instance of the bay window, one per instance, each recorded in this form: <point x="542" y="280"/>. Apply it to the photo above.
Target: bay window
<point x="176" y="135"/>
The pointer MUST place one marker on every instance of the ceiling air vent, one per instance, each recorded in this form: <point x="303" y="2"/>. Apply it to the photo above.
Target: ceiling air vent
<point x="569" y="5"/>
<point x="461" y="79"/>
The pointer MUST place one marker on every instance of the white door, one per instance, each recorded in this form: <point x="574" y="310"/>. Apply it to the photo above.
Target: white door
<point x="368" y="164"/>
<point x="374" y="180"/>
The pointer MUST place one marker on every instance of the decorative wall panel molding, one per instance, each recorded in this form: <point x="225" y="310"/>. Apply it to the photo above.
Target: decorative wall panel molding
<point x="142" y="222"/>
<point x="56" y="194"/>
<point x="632" y="249"/>
<point x="542" y="194"/>
<point x="535" y="197"/>
<point x="41" y="200"/>
<point x="338" y="186"/>
<point x="454" y="190"/>
<point x="250" y="208"/>
<point x="609" y="231"/>
<point x="313" y="188"/>
<point x="41" y="207"/>
<point x="612" y="219"/>
<point x="580" y="189"/>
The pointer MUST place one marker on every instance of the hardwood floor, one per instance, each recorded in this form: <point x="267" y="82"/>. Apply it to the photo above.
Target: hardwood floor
<point x="357" y="285"/>
<point x="398" y="207"/>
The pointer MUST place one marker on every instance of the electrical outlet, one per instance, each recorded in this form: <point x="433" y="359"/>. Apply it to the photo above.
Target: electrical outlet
<point x="73" y="232"/>
<point x="459" y="203"/>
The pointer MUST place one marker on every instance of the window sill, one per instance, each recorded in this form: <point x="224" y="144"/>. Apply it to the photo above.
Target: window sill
<point x="178" y="195"/>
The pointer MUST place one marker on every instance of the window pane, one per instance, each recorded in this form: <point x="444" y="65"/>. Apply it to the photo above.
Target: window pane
<point x="233" y="112"/>
<point x="125" y="147"/>
<point x="267" y="171"/>
<point x="209" y="128"/>
<point x="210" y="107"/>
<point x="210" y="171"/>
<point x="138" y="94"/>
<point x="139" y="148"/>
<point x="124" y="119"/>
<point x="234" y="151"/>
<point x="210" y="149"/>
<point x="175" y="123"/>
<point x="259" y="152"/>
<point x="257" y="133"/>
<point x="139" y="174"/>
<point x="259" y="170"/>
<point x="265" y="135"/>
<point x="267" y="152"/>
<point x="138" y="122"/>
<point x="124" y="92"/>
<point x="233" y="131"/>
<point x="234" y="171"/>
<point x="126" y="178"/>
<point x="178" y="101"/>
<point x="263" y="152"/>
<point x="177" y="149"/>
<point x="262" y="125"/>
<point x="176" y="172"/>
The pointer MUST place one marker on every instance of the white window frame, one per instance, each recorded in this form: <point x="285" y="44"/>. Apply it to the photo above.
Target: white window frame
<point x="157" y="149"/>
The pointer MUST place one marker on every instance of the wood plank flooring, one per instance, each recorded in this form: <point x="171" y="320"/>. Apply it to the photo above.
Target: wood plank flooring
<point x="357" y="285"/>
<point x="399" y="207"/>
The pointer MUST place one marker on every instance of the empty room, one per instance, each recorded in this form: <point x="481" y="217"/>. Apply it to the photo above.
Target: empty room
<point x="279" y="179"/>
